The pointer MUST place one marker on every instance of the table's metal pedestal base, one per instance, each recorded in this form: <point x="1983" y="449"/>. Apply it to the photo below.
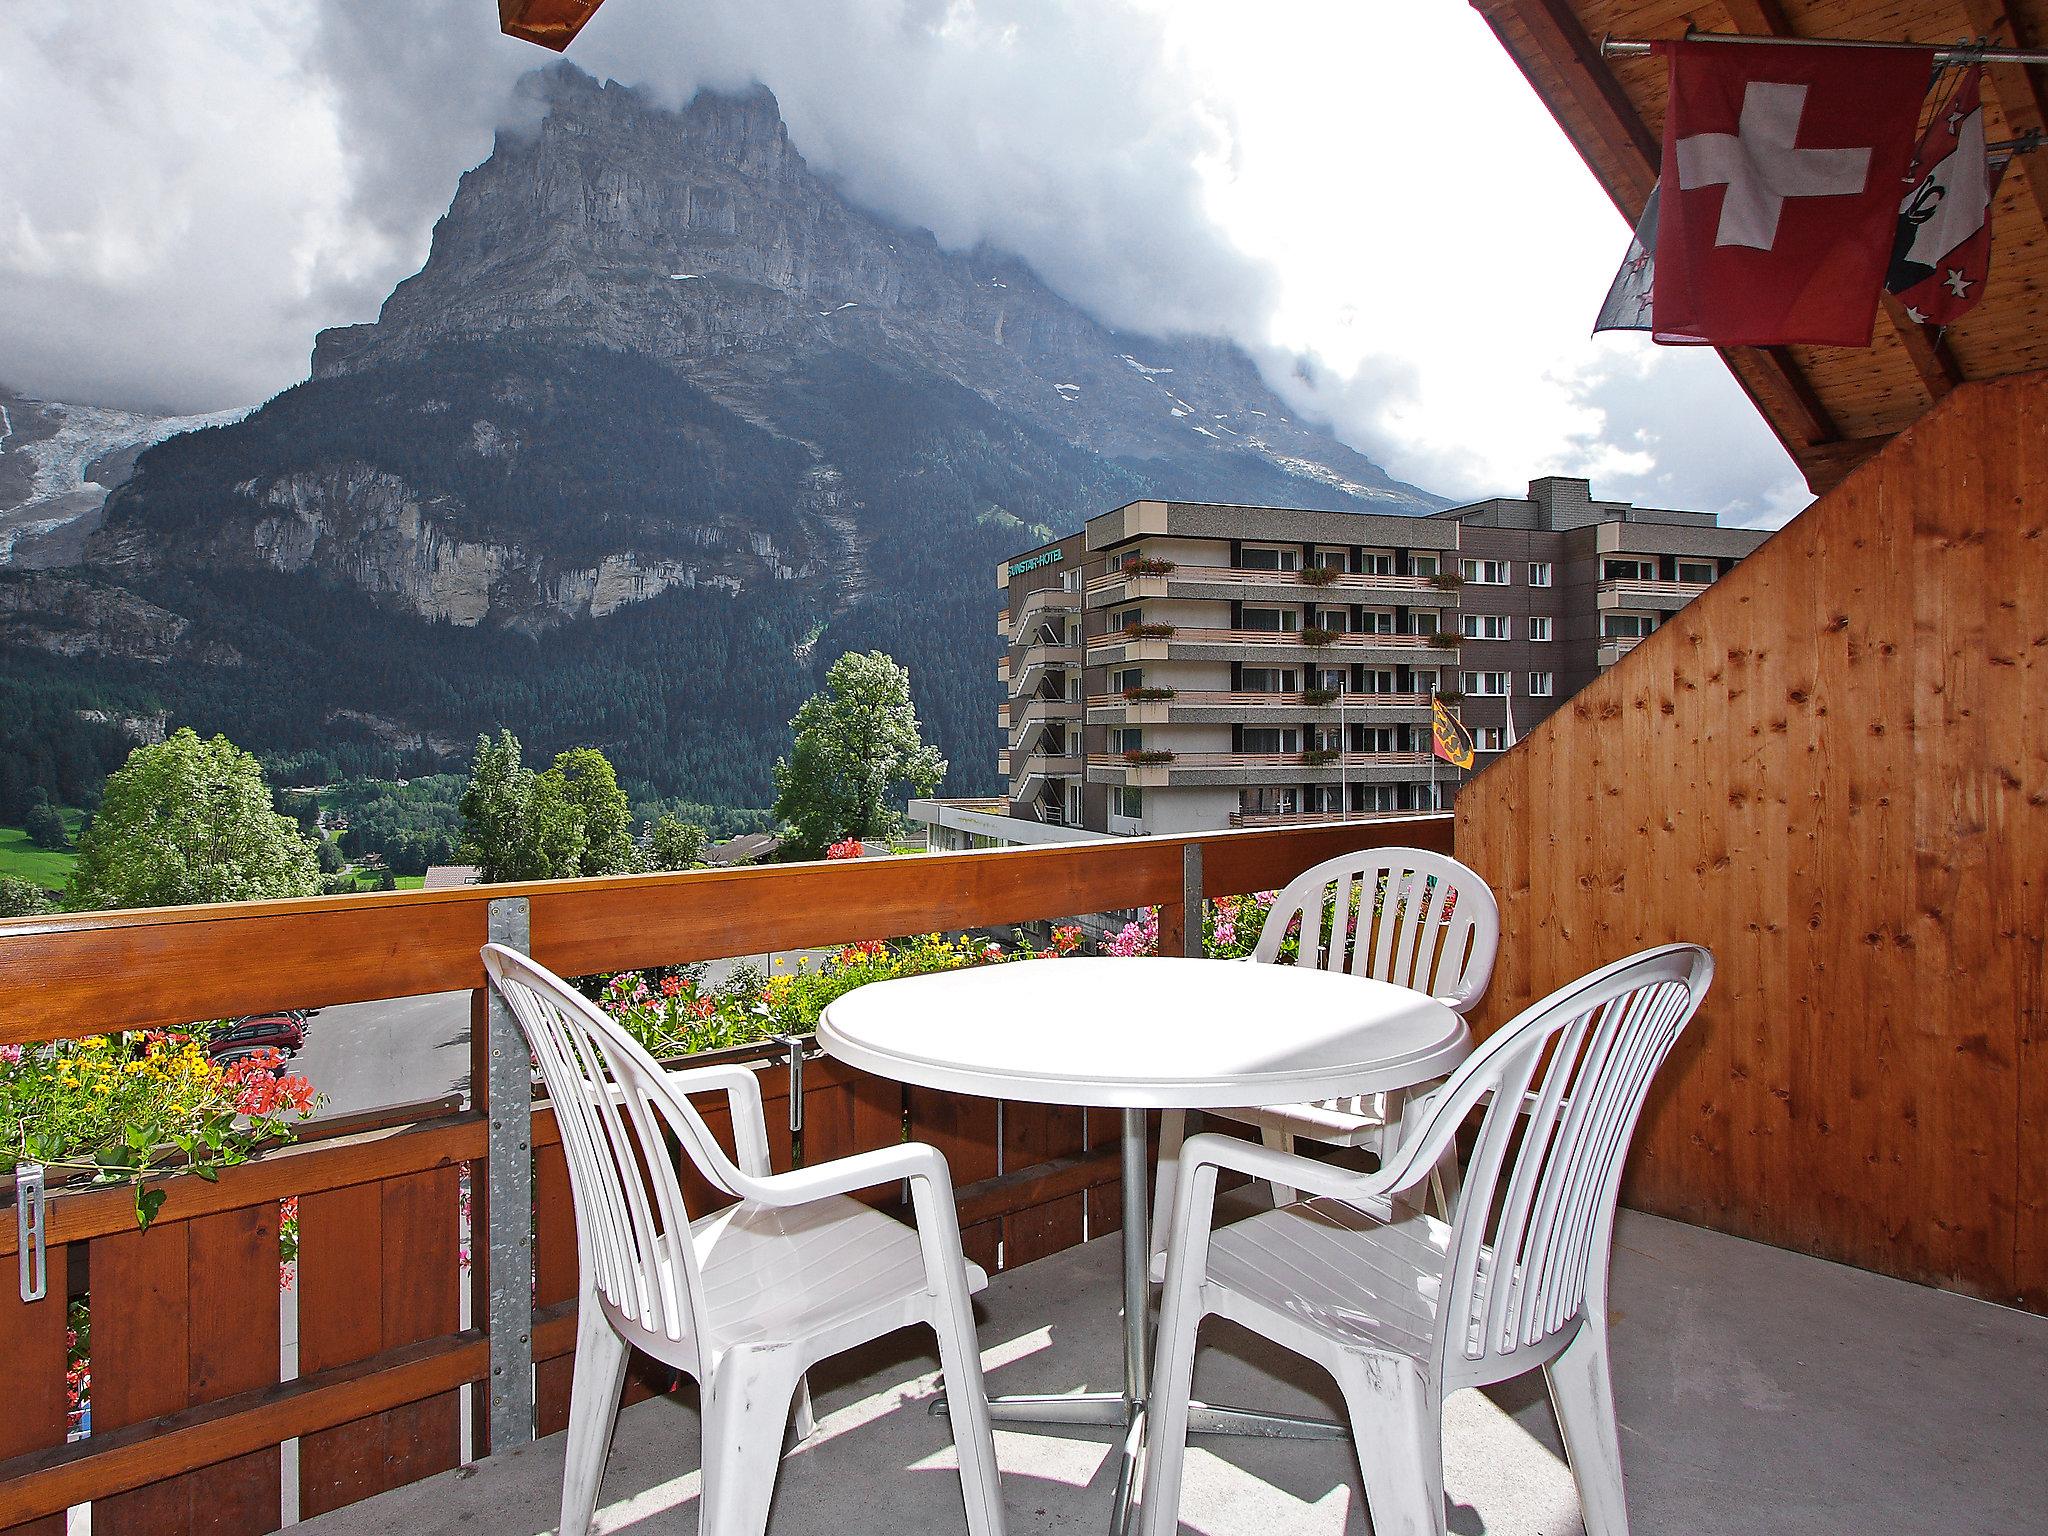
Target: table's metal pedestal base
<point x="1126" y="1409"/>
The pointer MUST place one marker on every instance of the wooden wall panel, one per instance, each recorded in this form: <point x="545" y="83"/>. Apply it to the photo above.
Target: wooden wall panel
<point x="1832" y="768"/>
<point x="184" y="1314"/>
<point x="32" y="1343"/>
<point x="378" y="1268"/>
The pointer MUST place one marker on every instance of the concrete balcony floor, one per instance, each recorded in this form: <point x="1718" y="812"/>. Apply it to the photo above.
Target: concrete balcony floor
<point x="1758" y="1391"/>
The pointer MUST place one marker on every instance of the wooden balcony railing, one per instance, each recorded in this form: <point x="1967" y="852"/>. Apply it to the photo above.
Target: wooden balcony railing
<point x="189" y="1404"/>
<point x="1304" y="760"/>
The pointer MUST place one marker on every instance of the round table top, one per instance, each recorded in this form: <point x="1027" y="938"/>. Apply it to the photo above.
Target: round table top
<point x="1145" y="1033"/>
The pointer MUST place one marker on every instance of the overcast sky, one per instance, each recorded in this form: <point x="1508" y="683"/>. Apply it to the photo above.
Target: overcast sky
<point x="1366" y="195"/>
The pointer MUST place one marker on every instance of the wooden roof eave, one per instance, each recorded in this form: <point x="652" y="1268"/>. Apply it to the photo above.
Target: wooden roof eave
<point x="1545" y="39"/>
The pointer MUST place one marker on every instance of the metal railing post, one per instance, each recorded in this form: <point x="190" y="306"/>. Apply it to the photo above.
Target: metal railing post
<point x="1191" y="901"/>
<point x="510" y="1208"/>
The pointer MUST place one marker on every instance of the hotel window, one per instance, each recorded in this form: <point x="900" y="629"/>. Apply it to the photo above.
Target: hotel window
<point x="1376" y="682"/>
<point x="1266" y="557"/>
<point x="1328" y="799"/>
<point x="1486" y="685"/>
<point x="1270" y="739"/>
<point x="1629" y="626"/>
<point x="1266" y="680"/>
<point x="1627" y="570"/>
<point x="1422" y="565"/>
<point x="1129" y="677"/>
<point x="1376" y="563"/>
<point x="1326" y="738"/>
<point x="1270" y="621"/>
<point x="1490" y="738"/>
<point x="1074" y="805"/>
<point x="1336" y="559"/>
<point x="1379" y="797"/>
<point x="1540" y="685"/>
<point x="1333" y="678"/>
<point x="1485" y="626"/>
<point x="1126" y="618"/>
<point x="1539" y="627"/>
<point x="1689" y="571"/>
<point x="1376" y="738"/>
<point x="1539" y="573"/>
<point x="1127" y="738"/>
<point x="1489" y="573"/>
<point x="1129" y="803"/>
<point x="1376" y="621"/>
<point x="1338" y="619"/>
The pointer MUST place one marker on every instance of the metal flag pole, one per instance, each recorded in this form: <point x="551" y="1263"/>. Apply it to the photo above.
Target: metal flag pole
<point x="1954" y="53"/>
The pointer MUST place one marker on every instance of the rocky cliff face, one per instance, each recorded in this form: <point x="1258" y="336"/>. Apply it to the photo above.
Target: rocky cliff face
<point x="683" y="423"/>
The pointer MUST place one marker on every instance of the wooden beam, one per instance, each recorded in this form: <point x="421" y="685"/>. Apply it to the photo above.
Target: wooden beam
<point x="550" y="23"/>
<point x="2021" y="94"/>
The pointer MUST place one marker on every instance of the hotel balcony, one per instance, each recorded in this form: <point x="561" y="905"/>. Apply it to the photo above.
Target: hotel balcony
<point x="1657" y="596"/>
<point x="1231" y="583"/>
<point x="1037" y="710"/>
<point x="1031" y="664"/>
<point x="1268" y="646"/>
<point x="1614" y="647"/>
<point x="1252" y="768"/>
<point x="1037" y="604"/>
<point x="1227" y="707"/>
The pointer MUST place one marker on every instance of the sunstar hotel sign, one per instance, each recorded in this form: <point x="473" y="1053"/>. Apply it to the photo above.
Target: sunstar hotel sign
<point x="1050" y="557"/>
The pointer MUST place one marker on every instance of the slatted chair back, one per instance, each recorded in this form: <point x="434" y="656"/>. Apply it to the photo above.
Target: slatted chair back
<point x="1563" y="1086"/>
<point x="618" y="1110"/>
<point x="1404" y="915"/>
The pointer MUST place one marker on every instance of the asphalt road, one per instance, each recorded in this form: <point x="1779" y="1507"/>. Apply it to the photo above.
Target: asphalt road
<point x="371" y="1055"/>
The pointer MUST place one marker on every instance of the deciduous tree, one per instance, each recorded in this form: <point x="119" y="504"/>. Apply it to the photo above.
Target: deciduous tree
<point x="184" y="821"/>
<point x="857" y="749"/>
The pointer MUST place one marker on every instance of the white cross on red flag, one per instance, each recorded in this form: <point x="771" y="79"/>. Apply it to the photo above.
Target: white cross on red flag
<point x="1782" y="172"/>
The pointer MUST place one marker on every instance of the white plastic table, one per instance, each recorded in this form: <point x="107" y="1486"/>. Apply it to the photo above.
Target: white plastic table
<point x="1135" y="1035"/>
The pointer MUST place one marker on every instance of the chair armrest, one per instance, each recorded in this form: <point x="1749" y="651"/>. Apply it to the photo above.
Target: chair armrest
<point x="742" y="1090"/>
<point x="864" y="1170"/>
<point x="1274" y="1167"/>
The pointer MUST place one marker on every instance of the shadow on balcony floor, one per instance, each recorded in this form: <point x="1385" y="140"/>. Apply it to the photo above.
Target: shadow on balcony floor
<point x="1758" y="1390"/>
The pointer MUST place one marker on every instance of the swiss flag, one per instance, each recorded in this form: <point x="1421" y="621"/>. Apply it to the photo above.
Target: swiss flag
<point x="1783" y="169"/>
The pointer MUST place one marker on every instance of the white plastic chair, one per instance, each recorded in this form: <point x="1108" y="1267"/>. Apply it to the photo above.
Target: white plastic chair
<point x="747" y="1298"/>
<point x="1404" y="1309"/>
<point x="1437" y="931"/>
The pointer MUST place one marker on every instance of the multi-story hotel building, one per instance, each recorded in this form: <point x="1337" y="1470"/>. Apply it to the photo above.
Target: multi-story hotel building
<point x="1179" y="666"/>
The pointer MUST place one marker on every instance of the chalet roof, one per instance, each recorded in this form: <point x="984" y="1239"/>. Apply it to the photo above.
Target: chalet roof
<point x="1831" y="406"/>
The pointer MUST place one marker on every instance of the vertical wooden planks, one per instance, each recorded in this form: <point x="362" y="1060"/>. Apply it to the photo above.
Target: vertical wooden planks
<point x="1038" y="1133"/>
<point x="1832" y="769"/>
<point x="182" y="1314"/>
<point x="32" y="1342"/>
<point x="964" y="1129"/>
<point x="378" y="1268"/>
<point x="554" y="1277"/>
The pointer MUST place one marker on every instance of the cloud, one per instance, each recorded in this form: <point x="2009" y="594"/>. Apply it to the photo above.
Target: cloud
<point x="207" y="186"/>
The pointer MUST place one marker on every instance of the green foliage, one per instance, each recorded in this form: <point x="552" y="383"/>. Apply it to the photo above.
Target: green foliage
<point x="23" y="898"/>
<point x="412" y="824"/>
<point x="857" y="745"/>
<point x="44" y="825"/>
<point x="673" y="843"/>
<point x="184" y="821"/>
<point x="570" y="820"/>
<point x="674" y="1015"/>
<point x="328" y="856"/>
<point x="119" y="1110"/>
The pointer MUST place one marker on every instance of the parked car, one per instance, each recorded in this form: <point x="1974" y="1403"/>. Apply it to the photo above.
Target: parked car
<point x="270" y="1031"/>
<point x="228" y="1056"/>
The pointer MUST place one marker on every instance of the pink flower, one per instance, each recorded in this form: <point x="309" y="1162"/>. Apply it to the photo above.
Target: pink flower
<point x="11" y="1054"/>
